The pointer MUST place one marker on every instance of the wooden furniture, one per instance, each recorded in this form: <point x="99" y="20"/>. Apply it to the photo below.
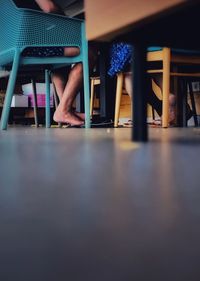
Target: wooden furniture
<point x="169" y="60"/>
<point x="123" y="16"/>
<point x="119" y="89"/>
<point x="93" y="82"/>
<point x="143" y="23"/>
<point x="187" y="81"/>
<point x="118" y="97"/>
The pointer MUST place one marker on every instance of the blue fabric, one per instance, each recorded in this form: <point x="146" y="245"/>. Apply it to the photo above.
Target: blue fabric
<point x="38" y="51"/>
<point x="120" y="57"/>
<point x="44" y="52"/>
<point x="121" y="54"/>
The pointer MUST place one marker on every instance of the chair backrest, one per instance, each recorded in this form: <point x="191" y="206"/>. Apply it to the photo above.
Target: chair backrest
<point x="21" y="28"/>
<point x="9" y="25"/>
<point x="42" y="29"/>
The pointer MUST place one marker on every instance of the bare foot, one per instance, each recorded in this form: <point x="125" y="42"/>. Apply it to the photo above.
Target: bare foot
<point x="80" y="115"/>
<point x="172" y="109"/>
<point x="68" y="118"/>
<point x="128" y="124"/>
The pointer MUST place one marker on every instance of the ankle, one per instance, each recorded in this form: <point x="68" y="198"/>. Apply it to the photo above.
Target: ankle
<point x="172" y="100"/>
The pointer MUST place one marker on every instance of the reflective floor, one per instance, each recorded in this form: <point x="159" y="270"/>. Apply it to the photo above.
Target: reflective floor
<point x="49" y="157"/>
<point x="80" y="204"/>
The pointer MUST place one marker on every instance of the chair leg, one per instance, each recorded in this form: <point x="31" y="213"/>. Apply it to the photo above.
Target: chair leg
<point x="55" y="97"/>
<point x="35" y="102"/>
<point x="184" y="103"/>
<point x="118" y="98"/>
<point x="86" y="78"/>
<point x="47" y="102"/>
<point x="180" y="102"/>
<point x="193" y="104"/>
<point x="9" y="92"/>
<point x="92" y="96"/>
<point x="86" y="95"/>
<point x="153" y="113"/>
<point x="166" y="87"/>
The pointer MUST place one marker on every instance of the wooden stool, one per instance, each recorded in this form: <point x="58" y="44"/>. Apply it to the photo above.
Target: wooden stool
<point x="94" y="81"/>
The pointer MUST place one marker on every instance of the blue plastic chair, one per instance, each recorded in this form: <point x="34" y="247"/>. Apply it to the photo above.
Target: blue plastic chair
<point x="23" y="28"/>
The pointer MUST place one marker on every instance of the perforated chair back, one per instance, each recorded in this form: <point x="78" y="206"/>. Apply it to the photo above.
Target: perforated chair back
<point x="23" y="28"/>
<point x="9" y="30"/>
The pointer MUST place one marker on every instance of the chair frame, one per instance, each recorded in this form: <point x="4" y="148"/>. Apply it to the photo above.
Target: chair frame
<point x="168" y="58"/>
<point x="93" y="82"/>
<point x="11" y="54"/>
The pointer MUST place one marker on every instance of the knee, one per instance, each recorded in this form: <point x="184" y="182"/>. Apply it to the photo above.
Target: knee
<point x="78" y="69"/>
<point x="49" y="7"/>
<point x="76" y="72"/>
<point x="71" y="51"/>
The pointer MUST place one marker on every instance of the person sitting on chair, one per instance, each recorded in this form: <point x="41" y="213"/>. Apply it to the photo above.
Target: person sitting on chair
<point x="120" y="59"/>
<point x="67" y="88"/>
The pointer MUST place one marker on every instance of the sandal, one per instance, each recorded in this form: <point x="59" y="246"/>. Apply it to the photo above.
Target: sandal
<point x="128" y="124"/>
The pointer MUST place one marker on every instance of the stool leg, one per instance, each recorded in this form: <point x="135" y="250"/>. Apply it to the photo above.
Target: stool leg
<point x="153" y="113"/>
<point x="184" y="104"/>
<point x="166" y="87"/>
<point x="47" y="102"/>
<point x="193" y="104"/>
<point x="35" y="106"/>
<point x="92" y="97"/>
<point x="118" y="98"/>
<point x="55" y="97"/>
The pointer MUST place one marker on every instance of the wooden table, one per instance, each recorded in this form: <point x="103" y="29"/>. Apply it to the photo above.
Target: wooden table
<point x="143" y="23"/>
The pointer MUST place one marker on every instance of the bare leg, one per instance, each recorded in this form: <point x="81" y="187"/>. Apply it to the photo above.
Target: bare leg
<point x="128" y="83"/>
<point x="59" y="78"/>
<point x="59" y="82"/>
<point x="67" y="92"/>
<point x="172" y="109"/>
<point x="172" y="101"/>
<point x="153" y="99"/>
<point x="64" y="112"/>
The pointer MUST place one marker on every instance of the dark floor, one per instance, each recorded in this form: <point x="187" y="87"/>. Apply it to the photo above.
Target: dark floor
<point x="91" y="205"/>
<point x="72" y="156"/>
